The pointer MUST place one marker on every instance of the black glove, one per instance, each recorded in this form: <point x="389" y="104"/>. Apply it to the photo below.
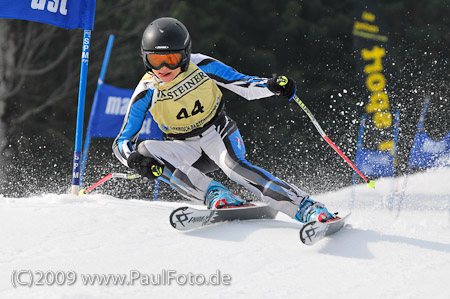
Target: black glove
<point x="145" y="166"/>
<point x="283" y="85"/>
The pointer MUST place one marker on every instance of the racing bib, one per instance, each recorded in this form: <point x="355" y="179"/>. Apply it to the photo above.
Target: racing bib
<point x="187" y="103"/>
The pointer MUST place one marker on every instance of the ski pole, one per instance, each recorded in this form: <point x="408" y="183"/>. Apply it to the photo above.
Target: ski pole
<point x="370" y="183"/>
<point x="107" y="178"/>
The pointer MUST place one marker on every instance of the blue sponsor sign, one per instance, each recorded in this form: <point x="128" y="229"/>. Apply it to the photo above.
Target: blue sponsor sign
<point x="427" y="152"/>
<point x="375" y="163"/>
<point x="69" y="14"/>
<point x="108" y="111"/>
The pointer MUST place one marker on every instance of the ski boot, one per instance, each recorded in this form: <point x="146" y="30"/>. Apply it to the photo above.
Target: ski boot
<point x="310" y="210"/>
<point x="218" y="197"/>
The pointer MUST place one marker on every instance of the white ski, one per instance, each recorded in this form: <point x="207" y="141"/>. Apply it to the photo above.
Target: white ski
<point x="314" y="231"/>
<point x="186" y="218"/>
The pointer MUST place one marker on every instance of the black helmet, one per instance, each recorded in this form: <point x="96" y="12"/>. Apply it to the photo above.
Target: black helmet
<point x="165" y="36"/>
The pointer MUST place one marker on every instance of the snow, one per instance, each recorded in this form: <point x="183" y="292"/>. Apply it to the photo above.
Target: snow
<point x="383" y="252"/>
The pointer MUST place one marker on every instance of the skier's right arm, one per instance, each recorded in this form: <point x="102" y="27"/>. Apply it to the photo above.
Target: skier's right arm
<point x="124" y="144"/>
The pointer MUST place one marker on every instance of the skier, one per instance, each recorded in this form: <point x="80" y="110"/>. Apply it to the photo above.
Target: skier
<point x="181" y="92"/>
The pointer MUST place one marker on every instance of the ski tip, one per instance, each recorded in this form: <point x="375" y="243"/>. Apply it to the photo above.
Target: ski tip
<point x="173" y="215"/>
<point x="314" y="231"/>
<point x="310" y="232"/>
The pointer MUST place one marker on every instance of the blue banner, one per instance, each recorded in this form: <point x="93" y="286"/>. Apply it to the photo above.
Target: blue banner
<point x="69" y="14"/>
<point x="427" y="152"/>
<point x="375" y="163"/>
<point x="108" y="111"/>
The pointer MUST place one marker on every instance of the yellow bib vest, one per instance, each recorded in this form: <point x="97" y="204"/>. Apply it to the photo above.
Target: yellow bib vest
<point x="187" y="103"/>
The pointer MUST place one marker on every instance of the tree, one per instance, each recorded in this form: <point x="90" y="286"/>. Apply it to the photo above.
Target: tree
<point x="39" y="77"/>
<point x="6" y="62"/>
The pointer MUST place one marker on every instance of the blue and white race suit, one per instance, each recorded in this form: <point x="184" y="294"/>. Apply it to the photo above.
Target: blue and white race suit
<point x="200" y="136"/>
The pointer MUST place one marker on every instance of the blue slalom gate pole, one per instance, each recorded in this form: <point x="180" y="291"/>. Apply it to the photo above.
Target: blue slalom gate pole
<point x="358" y="148"/>
<point x="100" y="81"/>
<point x="156" y="190"/>
<point x="396" y="128"/>
<point x="392" y="195"/>
<point x="419" y="129"/>
<point x="408" y="168"/>
<point x="105" y="61"/>
<point x="359" y="143"/>
<point x="80" y="112"/>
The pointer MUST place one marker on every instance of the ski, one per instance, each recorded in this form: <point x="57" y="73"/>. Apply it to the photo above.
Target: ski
<point x="187" y="218"/>
<point x="314" y="231"/>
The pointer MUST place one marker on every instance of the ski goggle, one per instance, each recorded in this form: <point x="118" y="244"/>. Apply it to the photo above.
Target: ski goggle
<point x="172" y="61"/>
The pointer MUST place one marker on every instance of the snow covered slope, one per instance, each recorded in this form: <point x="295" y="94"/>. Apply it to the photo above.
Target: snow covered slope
<point x="384" y="252"/>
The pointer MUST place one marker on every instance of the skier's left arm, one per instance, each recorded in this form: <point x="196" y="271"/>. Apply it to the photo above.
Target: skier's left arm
<point x="249" y="87"/>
